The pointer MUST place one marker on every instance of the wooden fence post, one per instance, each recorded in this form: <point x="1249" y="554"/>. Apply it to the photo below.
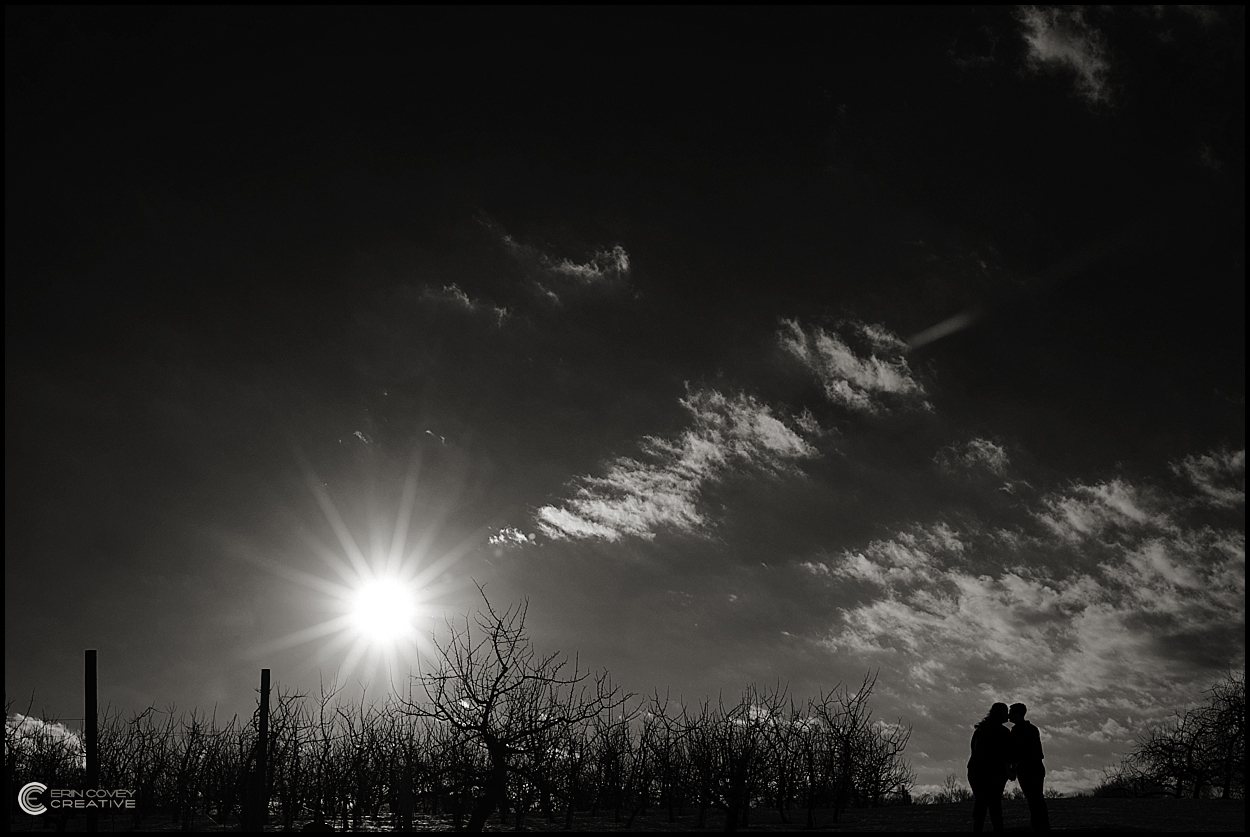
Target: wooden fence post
<point x="262" y="757"/>
<point x="91" y="732"/>
<point x="256" y="771"/>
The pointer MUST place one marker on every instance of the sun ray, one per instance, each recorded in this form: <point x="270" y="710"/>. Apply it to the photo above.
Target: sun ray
<point x="434" y="591"/>
<point x="449" y="558"/>
<point x="312" y="581"/>
<point x="291" y="640"/>
<point x="394" y="558"/>
<point x="332" y="516"/>
<point x="330" y="558"/>
<point x="354" y="656"/>
<point x="379" y="600"/>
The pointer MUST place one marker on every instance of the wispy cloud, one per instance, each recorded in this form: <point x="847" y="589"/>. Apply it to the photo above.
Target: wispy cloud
<point x="453" y="295"/>
<point x="509" y="536"/>
<point x="1115" y="603"/>
<point x="972" y="456"/>
<point x="661" y="489"/>
<point x="1220" y="476"/>
<point x="1205" y="14"/>
<point x="604" y="267"/>
<point x="1090" y="510"/>
<point x="1206" y="156"/>
<point x="1062" y="38"/>
<point x="861" y="366"/>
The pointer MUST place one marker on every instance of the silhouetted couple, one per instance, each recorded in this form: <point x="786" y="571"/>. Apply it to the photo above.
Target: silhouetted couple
<point x="999" y="755"/>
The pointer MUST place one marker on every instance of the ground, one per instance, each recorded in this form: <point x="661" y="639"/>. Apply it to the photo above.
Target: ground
<point x="1066" y="815"/>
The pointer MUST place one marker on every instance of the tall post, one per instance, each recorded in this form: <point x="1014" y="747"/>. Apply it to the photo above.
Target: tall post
<point x="262" y="756"/>
<point x="91" y="730"/>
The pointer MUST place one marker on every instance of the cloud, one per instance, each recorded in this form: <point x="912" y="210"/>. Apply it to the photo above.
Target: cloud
<point x="1091" y="510"/>
<point x="1206" y="15"/>
<point x="1062" y="38"/>
<point x="33" y="736"/>
<point x="861" y="366"/>
<point x="661" y="490"/>
<point x="1220" y="476"/>
<point x="1110" y="600"/>
<point x="605" y="269"/>
<point x="1208" y="159"/>
<point x="1110" y="730"/>
<point x="509" y="536"/>
<point x="453" y="296"/>
<point x="603" y="265"/>
<point x="555" y="276"/>
<point x="973" y="456"/>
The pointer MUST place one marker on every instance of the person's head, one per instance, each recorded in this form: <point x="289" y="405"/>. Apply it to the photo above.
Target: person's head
<point x="1017" y="712"/>
<point x="997" y="715"/>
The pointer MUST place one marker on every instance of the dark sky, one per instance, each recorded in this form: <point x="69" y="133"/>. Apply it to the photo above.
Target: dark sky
<point x="625" y="298"/>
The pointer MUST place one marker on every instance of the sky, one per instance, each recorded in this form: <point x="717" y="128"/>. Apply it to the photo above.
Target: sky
<point x="773" y="346"/>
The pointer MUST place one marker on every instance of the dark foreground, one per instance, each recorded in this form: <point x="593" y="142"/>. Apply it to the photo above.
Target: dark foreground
<point x="1066" y="815"/>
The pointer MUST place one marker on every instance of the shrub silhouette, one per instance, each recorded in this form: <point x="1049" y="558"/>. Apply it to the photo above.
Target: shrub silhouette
<point x="1200" y="753"/>
<point x="492" y="691"/>
<point x="493" y="727"/>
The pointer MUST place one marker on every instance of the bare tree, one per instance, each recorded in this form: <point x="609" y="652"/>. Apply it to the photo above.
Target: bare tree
<point x="491" y="689"/>
<point x="615" y="756"/>
<point x="744" y="733"/>
<point x="497" y="727"/>
<point x="955" y="789"/>
<point x="663" y="738"/>
<point x="1227" y="702"/>
<point x="843" y="716"/>
<point x="881" y="772"/>
<point x="1199" y="753"/>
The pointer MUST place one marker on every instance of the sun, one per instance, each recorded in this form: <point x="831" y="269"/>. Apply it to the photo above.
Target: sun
<point x="377" y="601"/>
<point x="383" y="610"/>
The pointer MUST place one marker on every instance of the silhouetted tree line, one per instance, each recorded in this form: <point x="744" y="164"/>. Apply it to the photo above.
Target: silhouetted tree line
<point x="1199" y="754"/>
<point x="497" y="730"/>
<point x="955" y="789"/>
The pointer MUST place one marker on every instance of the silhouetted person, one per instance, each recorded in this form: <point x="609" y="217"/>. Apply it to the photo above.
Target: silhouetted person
<point x="1026" y="755"/>
<point x="988" y="767"/>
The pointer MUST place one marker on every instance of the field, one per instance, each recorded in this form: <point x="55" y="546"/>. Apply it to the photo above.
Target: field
<point x="1066" y="815"/>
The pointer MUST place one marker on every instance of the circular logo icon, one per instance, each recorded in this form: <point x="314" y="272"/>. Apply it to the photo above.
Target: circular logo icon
<point x="28" y="798"/>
